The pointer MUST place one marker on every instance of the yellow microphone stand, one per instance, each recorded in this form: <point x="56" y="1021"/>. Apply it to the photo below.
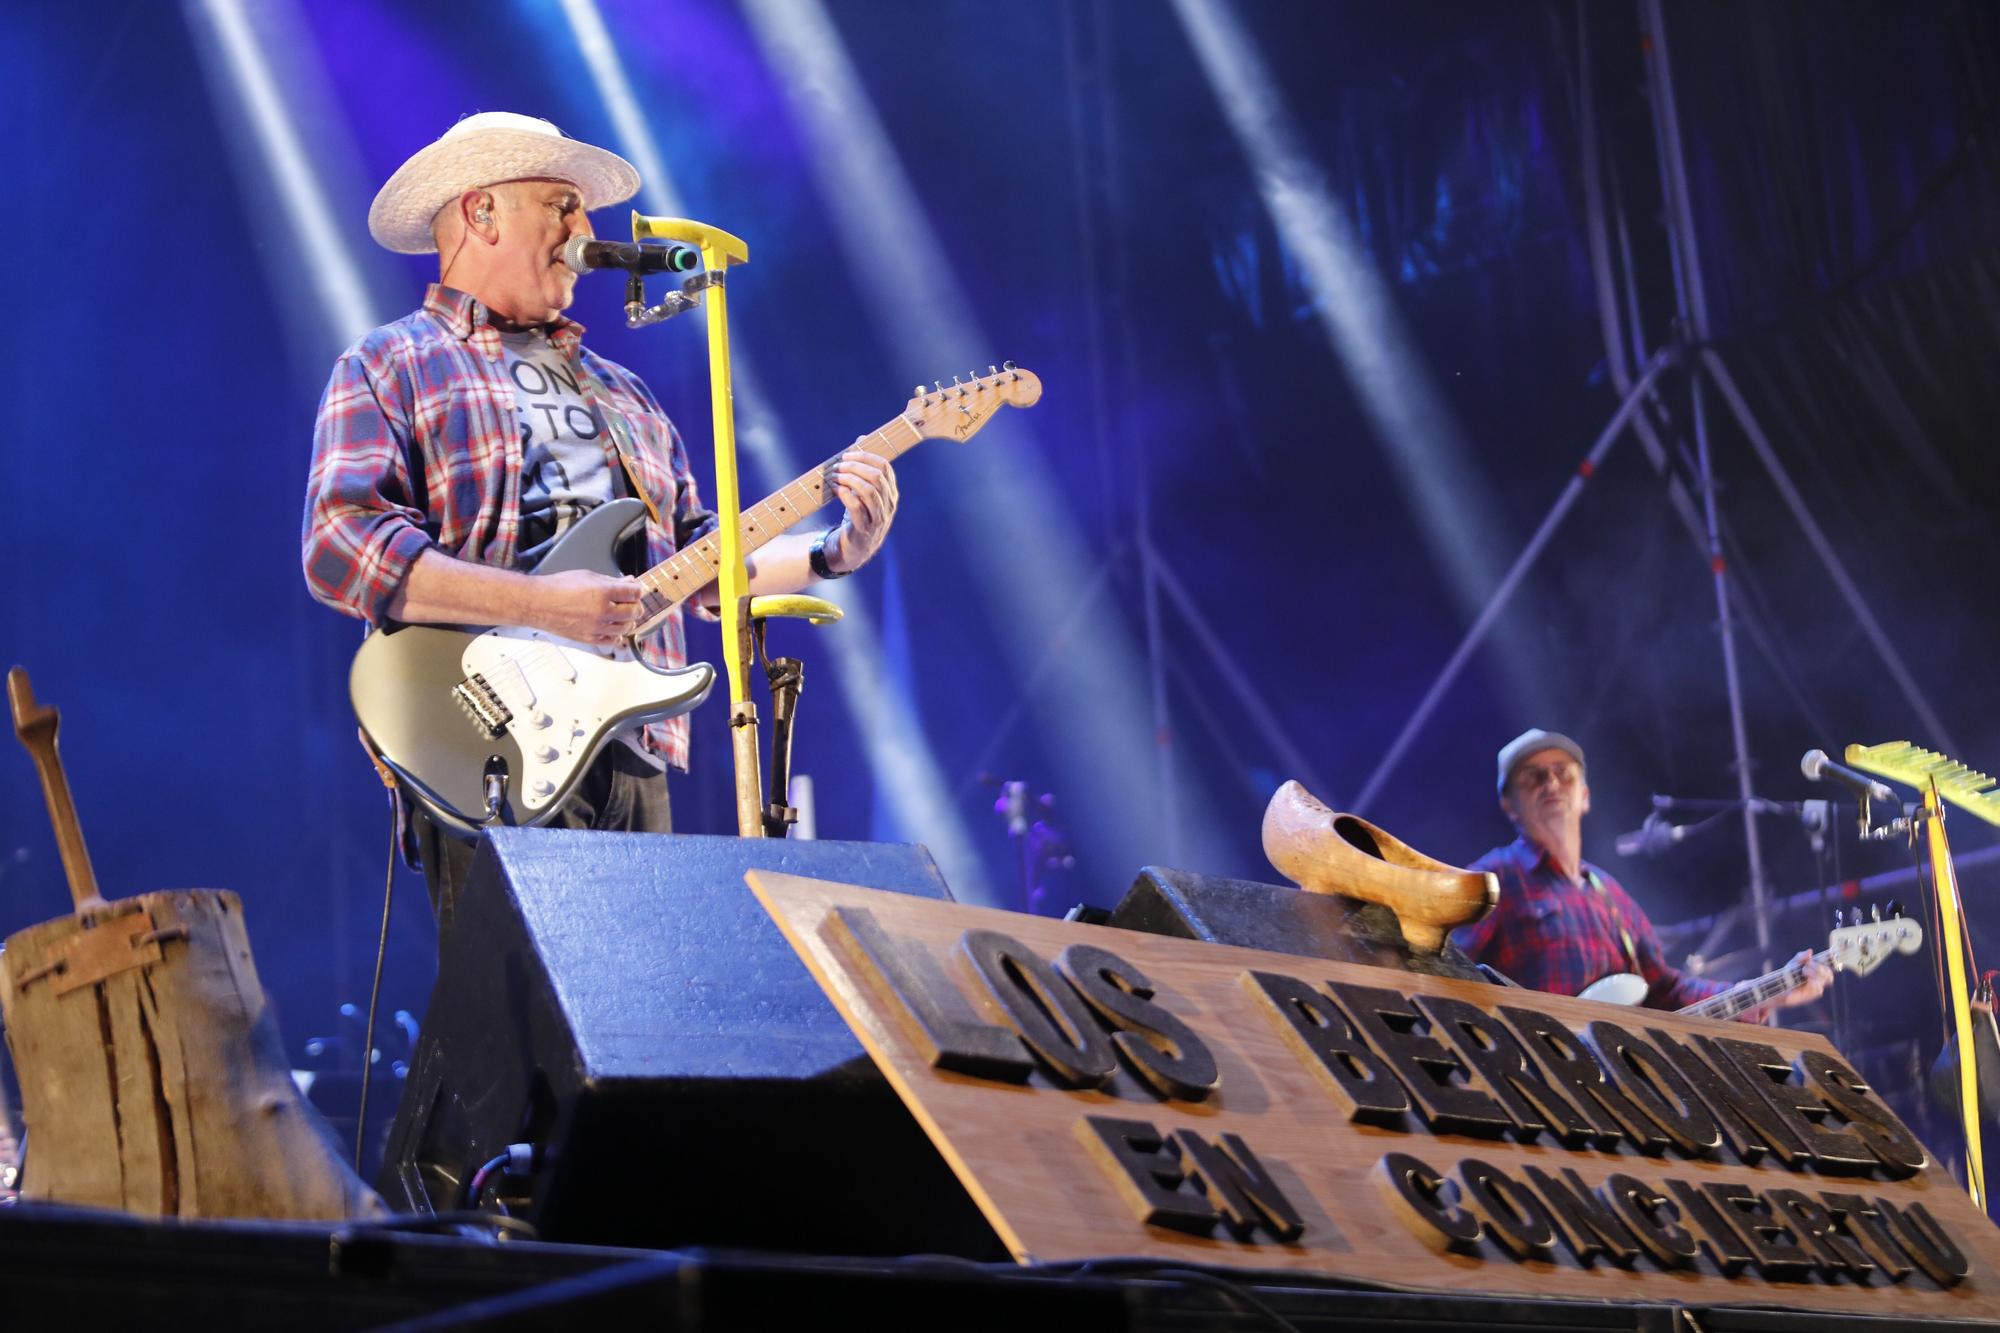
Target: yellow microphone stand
<point x="719" y="250"/>
<point x="1941" y="778"/>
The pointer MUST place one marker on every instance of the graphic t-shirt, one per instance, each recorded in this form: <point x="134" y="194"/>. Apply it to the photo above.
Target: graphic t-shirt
<point x="564" y="471"/>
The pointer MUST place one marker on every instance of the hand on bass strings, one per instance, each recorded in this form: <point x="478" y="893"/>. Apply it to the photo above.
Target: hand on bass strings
<point x="1818" y="977"/>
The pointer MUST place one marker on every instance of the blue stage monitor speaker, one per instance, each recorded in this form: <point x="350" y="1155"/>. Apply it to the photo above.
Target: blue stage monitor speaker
<point x="624" y="1005"/>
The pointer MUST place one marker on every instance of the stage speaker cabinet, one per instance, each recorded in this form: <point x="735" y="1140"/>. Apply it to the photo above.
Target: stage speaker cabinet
<point x="623" y="1003"/>
<point x="1279" y="919"/>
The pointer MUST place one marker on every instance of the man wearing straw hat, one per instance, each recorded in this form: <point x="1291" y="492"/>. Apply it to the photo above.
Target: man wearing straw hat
<point x="454" y="446"/>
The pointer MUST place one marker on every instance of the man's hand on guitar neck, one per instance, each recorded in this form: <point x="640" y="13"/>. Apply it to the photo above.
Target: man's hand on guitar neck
<point x="866" y="486"/>
<point x="577" y="604"/>
<point x="1818" y="977"/>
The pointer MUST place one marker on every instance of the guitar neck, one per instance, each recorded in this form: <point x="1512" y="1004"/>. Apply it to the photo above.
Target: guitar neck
<point x="1756" y="991"/>
<point x="693" y="568"/>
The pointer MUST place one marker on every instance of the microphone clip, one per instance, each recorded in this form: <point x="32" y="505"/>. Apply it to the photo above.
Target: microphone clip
<point x="1905" y="824"/>
<point x="639" y="315"/>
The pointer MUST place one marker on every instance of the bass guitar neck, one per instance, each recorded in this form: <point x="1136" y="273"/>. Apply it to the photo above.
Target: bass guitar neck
<point x="1757" y="991"/>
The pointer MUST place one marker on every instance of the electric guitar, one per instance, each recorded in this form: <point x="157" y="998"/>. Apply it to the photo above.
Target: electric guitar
<point x="496" y="725"/>
<point x="1859" y="948"/>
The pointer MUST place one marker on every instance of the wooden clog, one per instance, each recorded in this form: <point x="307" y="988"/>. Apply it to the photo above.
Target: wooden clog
<point x="1323" y="851"/>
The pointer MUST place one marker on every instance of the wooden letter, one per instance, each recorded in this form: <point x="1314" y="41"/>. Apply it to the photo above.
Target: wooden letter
<point x="1320" y="1034"/>
<point x="1163" y="1051"/>
<point x="1858" y="1219"/>
<point x="1490" y="1048"/>
<point x="1145" y="1172"/>
<point x="1748" y="1124"/>
<point x="1888" y="1138"/>
<point x="1815" y="1227"/>
<point x="1426" y="1066"/>
<point x="1926" y="1242"/>
<point x="1780" y="1260"/>
<point x="936" y="1016"/>
<point x="1570" y="1065"/>
<point x="1833" y="1151"/>
<point x="1510" y="1212"/>
<point x="1725" y="1247"/>
<point x="1589" y="1227"/>
<point x="1237" y="1186"/>
<point x="1025" y="991"/>
<point x="1638" y="1205"/>
<point x="1656" y="1087"/>
<point x="1416" y="1196"/>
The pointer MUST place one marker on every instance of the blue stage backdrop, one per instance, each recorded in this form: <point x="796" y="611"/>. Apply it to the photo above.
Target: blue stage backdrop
<point x="1312" y="291"/>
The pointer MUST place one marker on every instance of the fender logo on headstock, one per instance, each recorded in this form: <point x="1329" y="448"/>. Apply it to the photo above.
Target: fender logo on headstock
<point x="958" y="411"/>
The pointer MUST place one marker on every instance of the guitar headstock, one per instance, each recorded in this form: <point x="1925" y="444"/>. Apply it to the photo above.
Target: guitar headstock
<point x="957" y="410"/>
<point x="1866" y="945"/>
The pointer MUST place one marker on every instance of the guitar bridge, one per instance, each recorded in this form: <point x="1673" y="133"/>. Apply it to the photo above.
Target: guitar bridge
<point x="481" y="703"/>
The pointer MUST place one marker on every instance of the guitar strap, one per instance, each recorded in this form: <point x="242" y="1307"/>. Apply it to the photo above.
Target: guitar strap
<point x="1624" y="928"/>
<point x="621" y="438"/>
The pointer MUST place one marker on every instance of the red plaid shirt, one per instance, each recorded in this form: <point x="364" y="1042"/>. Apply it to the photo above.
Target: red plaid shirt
<point x="1552" y="935"/>
<point x="418" y="445"/>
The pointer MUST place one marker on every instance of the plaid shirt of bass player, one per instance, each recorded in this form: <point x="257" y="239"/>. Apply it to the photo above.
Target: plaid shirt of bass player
<point x="418" y="445"/>
<point x="1552" y="935"/>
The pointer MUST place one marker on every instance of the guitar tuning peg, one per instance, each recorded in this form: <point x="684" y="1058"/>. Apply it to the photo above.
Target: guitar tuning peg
<point x="954" y="379"/>
<point x="938" y="385"/>
<point x="1009" y="365"/>
<point x="920" y="392"/>
<point x="992" y="370"/>
<point x="1838" y="913"/>
<point x="1875" y="913"/>
<point x="1895" y="909"/>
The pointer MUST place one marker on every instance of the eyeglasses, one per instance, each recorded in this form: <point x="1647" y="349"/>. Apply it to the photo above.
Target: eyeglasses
<point x="1532" y="776"/>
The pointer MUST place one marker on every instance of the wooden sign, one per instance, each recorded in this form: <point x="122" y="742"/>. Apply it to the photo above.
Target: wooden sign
<point x="1102" y="1092"/>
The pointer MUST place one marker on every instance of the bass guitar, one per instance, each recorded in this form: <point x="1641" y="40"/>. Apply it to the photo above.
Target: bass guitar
<point x="1859" y="948"/>
<point x="486" y="725"/>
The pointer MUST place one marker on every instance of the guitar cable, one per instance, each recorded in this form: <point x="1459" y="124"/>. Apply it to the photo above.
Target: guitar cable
<point x="375" y="990"/>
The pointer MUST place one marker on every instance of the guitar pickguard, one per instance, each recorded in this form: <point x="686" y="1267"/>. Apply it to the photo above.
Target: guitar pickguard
<point x="564" y="700"/>
<point x="443" y="705"/>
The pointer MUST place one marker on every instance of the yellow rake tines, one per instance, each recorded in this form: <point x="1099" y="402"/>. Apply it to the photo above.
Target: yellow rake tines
<point x="1900" y="761"/>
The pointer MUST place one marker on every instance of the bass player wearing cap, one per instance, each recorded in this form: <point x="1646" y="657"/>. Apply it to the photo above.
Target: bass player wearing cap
<point x="1563" y="924"/>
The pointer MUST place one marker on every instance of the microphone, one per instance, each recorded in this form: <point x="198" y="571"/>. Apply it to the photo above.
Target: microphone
<point x="583" y="253"/>
<point x="1652" y="837"/>
<point x="1816" y="766"/>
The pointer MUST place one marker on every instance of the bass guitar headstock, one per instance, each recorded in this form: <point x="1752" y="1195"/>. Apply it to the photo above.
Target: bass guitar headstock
<point x="1866" y="945"/>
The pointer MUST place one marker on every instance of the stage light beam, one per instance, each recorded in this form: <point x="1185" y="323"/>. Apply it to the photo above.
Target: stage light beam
<point x="1022" y="545"/>
<point x="329" y="266"/>
<point x="1411" y="423"/>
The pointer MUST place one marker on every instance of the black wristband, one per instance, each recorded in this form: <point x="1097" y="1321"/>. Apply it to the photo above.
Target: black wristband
<point x="820" y="568"/>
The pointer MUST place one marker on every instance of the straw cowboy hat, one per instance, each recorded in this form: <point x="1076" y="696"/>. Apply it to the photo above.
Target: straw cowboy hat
<point x="483" y="150"/>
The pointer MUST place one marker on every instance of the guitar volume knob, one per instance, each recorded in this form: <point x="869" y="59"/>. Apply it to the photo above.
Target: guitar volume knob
<point x="540" y="720"/>
<point x="546" y="753"/>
